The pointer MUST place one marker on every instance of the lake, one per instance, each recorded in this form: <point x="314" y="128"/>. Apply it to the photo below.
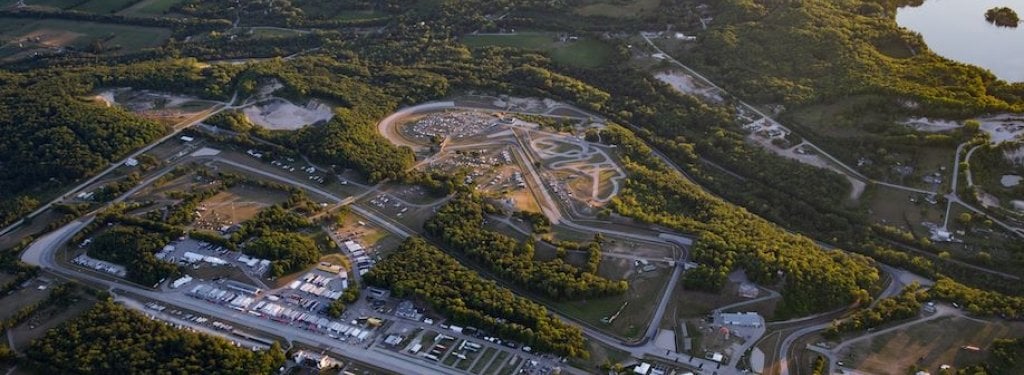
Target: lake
<point x="957" y="30"/>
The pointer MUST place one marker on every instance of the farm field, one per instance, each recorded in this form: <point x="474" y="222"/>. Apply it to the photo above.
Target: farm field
<point x="359" y="15"/>
<point x="583" y="53"/>
<point x="618" y="9"/>
<point x="929" y="345"/>
<point x="103" y="6"/>
<point x="150" y="8"/>
<point x="53" y="33"/>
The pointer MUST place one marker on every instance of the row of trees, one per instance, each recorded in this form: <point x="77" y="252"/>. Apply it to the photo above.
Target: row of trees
<point x="459" y="225"/>
<point x="421" y="271"/>
<point x="109" y="339"/>
<point x="906" y="305"/>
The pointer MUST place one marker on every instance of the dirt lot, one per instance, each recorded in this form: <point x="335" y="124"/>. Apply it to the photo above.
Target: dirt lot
<point x="236" y="205"/>
<point x="280" y="114"/>
<point x="929" y="345"/>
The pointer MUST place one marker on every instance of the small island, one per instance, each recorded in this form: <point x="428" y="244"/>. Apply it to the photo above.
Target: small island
<point x="1002" y="16"/>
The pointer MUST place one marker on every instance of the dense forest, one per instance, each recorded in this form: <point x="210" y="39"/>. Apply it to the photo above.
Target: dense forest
<point x="54" y="137"/>
<point x="459" y="225"/>
<point x="110" y="339"/>
<point x="729" y="237"/>
<point x="421" y="271"/>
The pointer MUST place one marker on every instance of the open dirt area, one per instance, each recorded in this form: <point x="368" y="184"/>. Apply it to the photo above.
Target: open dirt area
<point x="281" y="114"/>
<point x="686" y="84"/>
<point x="929" y="345"/>
<point x="1000" y="128"/>
<point x="236" y="205"/>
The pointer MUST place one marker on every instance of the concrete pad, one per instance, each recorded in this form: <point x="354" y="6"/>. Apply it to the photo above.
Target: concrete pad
<point x="206" y="151"/>
<point x="757" y="360"/>
<point x="666" y="339"/>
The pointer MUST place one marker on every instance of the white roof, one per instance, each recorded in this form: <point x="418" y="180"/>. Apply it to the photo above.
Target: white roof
<point x="748" y="319"/>
<point x="353" y="246"/>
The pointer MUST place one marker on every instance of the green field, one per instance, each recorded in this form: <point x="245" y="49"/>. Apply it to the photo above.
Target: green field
<point x="79" y="34"/>
<point x="359" y="15"/>
<point x="104" y="6"/>
<point x="271" y="33"/>
<point x="583" y="53"/>
<point x="150" y="7"/>
<point x="527" y="40"/>
<point x="619" y="8"/>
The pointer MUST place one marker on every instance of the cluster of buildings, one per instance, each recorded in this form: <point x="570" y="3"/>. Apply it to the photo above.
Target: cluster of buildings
<point x="256" y="264"/>
<point x="766" y="128"/>
<point x="322" y="286"/>
<point x="319" y="361"/>
<point x="235" y="295"/>
<point x="99" y="265"/>
<point x="192" y="258"/>
<point x="358" y="254"/>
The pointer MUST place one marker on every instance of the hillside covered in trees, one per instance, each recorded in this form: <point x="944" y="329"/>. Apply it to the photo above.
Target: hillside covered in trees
<point x="729" y="237"/>
<point x="109" y="339"/>
<point x="52" y="137"/>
